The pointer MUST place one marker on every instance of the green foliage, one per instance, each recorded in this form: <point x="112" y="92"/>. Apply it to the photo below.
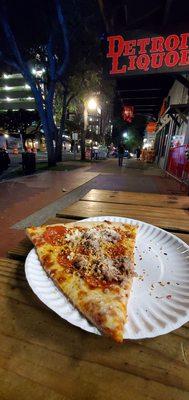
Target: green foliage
<point x="58" y="103"/>
<point x="87" y="81"/>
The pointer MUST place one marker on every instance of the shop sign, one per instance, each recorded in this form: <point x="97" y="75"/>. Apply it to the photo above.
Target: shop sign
<point x="151" y="127"/>
<point x="147" y="54"/>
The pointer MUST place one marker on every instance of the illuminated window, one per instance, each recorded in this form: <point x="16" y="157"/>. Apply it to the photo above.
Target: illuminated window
<point x="15" y="88"/>
<point x="12" y="76"/>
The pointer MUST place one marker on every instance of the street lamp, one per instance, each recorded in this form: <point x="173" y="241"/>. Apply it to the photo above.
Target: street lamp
<point x="89" y="104"/>
<point x="92" y="104"/>
<point x="125" y="135"/>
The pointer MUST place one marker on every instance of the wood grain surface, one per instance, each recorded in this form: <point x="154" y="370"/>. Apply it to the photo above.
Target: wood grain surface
<point x="43" y="356"/>
<point x="146" y="199"/>
<point x="167" y="218"/>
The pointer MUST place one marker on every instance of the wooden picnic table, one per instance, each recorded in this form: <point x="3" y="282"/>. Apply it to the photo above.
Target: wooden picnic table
<point x="43" y="356"/>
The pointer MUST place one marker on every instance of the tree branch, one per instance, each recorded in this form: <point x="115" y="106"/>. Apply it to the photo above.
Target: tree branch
<point x="51" y="58"/>
<point x="20" y="64"/>
<point x="63" y="27"/>
<point x="70" y="98"/>
<point x="52" y="70"/>
<point x="9" y="61"/>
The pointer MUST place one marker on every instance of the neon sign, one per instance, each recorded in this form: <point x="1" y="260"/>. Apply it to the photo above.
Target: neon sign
<point x="146" y="55"/>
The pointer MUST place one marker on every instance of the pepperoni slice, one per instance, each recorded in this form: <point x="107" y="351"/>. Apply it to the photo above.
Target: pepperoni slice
<point x="55" y="235"/>
<point x="63" y="260"/>
<point x="94" y="283"/>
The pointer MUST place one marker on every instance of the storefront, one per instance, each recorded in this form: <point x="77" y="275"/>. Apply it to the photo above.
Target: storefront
<point x="172" y="136"/>
<point x="135" y="53"/>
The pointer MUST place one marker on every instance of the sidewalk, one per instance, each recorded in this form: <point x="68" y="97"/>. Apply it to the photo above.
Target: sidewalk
<point x="23" y="196"/>
<point x="134" y="176"/>
<point x="31" y="199"/>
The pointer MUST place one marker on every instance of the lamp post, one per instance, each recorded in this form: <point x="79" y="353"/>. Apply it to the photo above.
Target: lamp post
<point x="89" y="104"/>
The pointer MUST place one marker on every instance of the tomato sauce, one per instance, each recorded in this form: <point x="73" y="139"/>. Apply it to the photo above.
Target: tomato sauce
<point x="116" y="251"/>
<point x="54" y="235"/>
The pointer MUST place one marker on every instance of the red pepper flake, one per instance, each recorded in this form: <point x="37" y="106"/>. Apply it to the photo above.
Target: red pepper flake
<point x="169" y="297"/>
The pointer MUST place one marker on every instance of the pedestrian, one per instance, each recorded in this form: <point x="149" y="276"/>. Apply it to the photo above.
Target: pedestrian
<point x="138" y="152"/>
<point x="96" y="154"/>
<point x="121" y="150"/>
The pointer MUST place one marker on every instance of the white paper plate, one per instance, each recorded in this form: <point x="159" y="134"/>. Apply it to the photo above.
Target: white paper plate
<point x="159" y="302"/>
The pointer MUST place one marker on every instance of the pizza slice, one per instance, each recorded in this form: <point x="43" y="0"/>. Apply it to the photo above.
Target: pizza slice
<point x="92" y="263"/>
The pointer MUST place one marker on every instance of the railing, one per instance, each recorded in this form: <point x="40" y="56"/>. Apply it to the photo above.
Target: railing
<point x="178" y="165"/>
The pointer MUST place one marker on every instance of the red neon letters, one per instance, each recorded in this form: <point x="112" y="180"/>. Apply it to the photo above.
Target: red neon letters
<point x="148" y="53"/>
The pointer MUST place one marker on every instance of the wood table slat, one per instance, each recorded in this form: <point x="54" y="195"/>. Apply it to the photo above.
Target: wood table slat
<point x="177" y="220"/>
<point x="56" y="220"/>
<point x="148" y="199"/>
<point x="38" y="346"/>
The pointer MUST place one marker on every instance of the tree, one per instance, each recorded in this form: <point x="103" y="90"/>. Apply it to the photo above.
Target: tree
<point x="85" y="82"/>
<point x="44" y="81"/>
<point x="84" y="78"/>
<point x="79" y="86"/>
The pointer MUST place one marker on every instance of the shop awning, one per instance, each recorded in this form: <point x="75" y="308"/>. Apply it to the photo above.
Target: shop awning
<point x="179" y="109"/>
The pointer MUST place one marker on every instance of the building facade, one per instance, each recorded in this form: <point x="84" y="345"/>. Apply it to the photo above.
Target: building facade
<point x="172" y="135"/>
<point x="15" y="93"/>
